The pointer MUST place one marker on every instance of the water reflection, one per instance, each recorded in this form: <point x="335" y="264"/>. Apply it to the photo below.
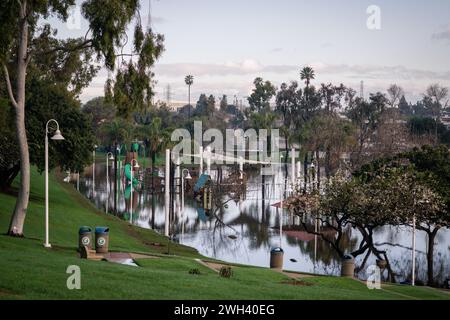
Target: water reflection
<point x="246" y="229"/>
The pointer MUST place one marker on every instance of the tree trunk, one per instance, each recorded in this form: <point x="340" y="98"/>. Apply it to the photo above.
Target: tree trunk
<point x="430" y="264"/>
<point x="318" y="168"/>
<point x="20" y="210"/>
<point x="153" y="172"/>
<point x="305" y="172"/>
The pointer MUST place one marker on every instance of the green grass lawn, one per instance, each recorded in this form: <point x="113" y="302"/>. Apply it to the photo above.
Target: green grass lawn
<point x="29" y="271"/>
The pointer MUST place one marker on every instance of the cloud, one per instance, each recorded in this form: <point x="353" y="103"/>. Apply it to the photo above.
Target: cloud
<point x="237" y="77"/>
<point x="382" y="72"/>
<point x="155" y="20"/>
<point x="442" y="35"/>
<point x="276" y="50"/>
<point x="326" y="45"/>
<point x="253" y="67"/>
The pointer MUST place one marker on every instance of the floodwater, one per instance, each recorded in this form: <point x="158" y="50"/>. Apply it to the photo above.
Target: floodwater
<point x="245" y="231"/>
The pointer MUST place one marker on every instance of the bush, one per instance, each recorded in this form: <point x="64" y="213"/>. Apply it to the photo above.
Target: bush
<point x="226" y="272"/>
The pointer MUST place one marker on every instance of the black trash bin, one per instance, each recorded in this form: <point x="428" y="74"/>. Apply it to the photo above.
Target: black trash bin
<point x="276" y="258"/>
<point x="85" y="237"/>
<point x="101" y="239"/>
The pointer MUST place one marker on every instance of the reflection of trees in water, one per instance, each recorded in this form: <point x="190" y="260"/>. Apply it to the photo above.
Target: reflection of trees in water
<point x="258" y="234"/>
<point x="402" y="264"/>
<point x="325" y="253"/>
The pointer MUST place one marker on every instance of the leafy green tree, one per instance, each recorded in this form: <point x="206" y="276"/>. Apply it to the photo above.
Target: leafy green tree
<point x="263" y="92"/>
<point x="9" y="157"/>
<point x="156" y="137"/>
<point x="223" y="103"/>
<point x="286" y="102"/>
<point x="404" y="107"/>
<point x="116" y="132"/>
<point x="211" y="106"/>
<point x="99" y="111"/>
<point x="366" y="115"/>
<point x="46" y="101"/>
<point x="330" y="134"/>
<point x="426" y="127"/>
<point x="22" y="39"/>
<point x="376" y="198"/>
<point x="201" y="108"/>
<point x="430" y="169"/>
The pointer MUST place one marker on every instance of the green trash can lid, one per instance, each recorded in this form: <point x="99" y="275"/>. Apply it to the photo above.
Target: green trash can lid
<point x="101" y="229"/>
<point x="84" y="229"/>
<point x="276" y="249"/>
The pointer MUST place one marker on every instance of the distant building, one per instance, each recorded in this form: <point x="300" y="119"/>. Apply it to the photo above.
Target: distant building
<point x="445" y="119"/>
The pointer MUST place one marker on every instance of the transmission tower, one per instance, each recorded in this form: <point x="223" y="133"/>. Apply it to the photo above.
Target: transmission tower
<point x="168" y="94"/>
<point x="361" y="90"/>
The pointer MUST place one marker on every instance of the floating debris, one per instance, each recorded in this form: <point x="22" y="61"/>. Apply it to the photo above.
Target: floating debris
<point x="293" y="260"/>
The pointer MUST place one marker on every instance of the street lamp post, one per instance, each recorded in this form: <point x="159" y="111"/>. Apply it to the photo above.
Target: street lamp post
<point x="109" y="156"/>
<point x="136" y="166"/>
<point x="188" y="177"/>
<point x="56" y="136"/>
<point x="93" y="171"/>
<point x="413" y="280"/>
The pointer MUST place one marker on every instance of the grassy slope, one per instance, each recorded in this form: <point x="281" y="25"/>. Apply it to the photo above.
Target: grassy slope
<point x="29" y="271"/>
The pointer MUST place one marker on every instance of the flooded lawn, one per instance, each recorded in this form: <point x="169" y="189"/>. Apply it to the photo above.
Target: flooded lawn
<point x="244" y="231"/>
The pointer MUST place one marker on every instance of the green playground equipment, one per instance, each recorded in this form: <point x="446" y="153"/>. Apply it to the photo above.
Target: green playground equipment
<point x="128" y="175"/>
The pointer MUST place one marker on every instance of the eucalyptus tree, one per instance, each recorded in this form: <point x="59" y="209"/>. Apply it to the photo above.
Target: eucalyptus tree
<point x="24" y="37"/>
<point x="332" y="97"/>
<point x="285" y="102"/>
<point x="259" y="100"/>
<point x="366" y="116"/>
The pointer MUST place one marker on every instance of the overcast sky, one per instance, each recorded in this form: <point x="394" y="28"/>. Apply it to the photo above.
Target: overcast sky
<point x="226" y="44"/>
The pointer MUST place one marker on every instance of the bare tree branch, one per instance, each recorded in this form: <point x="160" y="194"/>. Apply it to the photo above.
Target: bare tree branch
<point x="85" y="44"/>
<point x="9" y="87"/>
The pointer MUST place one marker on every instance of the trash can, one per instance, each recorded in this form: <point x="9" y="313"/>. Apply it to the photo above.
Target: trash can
<point x="381" y="263"/>
<point x="85" y="237"/>
<point x="348" y="266"/>
<point x="276" y="258"/>
<point x="101" y="239"/>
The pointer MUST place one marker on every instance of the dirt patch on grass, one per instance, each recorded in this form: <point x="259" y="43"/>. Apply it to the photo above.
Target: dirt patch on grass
<point x="297" y="275"/>
<point x="5" y="293"/>
<point x="213" y="265"/>
<point x="295" y="282"/>
<point x="143" y="256"/>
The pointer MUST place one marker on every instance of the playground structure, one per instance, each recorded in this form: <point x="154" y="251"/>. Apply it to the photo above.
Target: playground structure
<point x="206" y="186"/>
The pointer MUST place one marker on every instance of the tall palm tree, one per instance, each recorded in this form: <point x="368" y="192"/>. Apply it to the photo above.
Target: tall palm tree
<point x="189" y="80"/>
<point x="307" y="74"/>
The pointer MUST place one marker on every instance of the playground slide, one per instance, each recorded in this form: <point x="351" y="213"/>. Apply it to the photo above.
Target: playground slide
<point x="128" y="174"/>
